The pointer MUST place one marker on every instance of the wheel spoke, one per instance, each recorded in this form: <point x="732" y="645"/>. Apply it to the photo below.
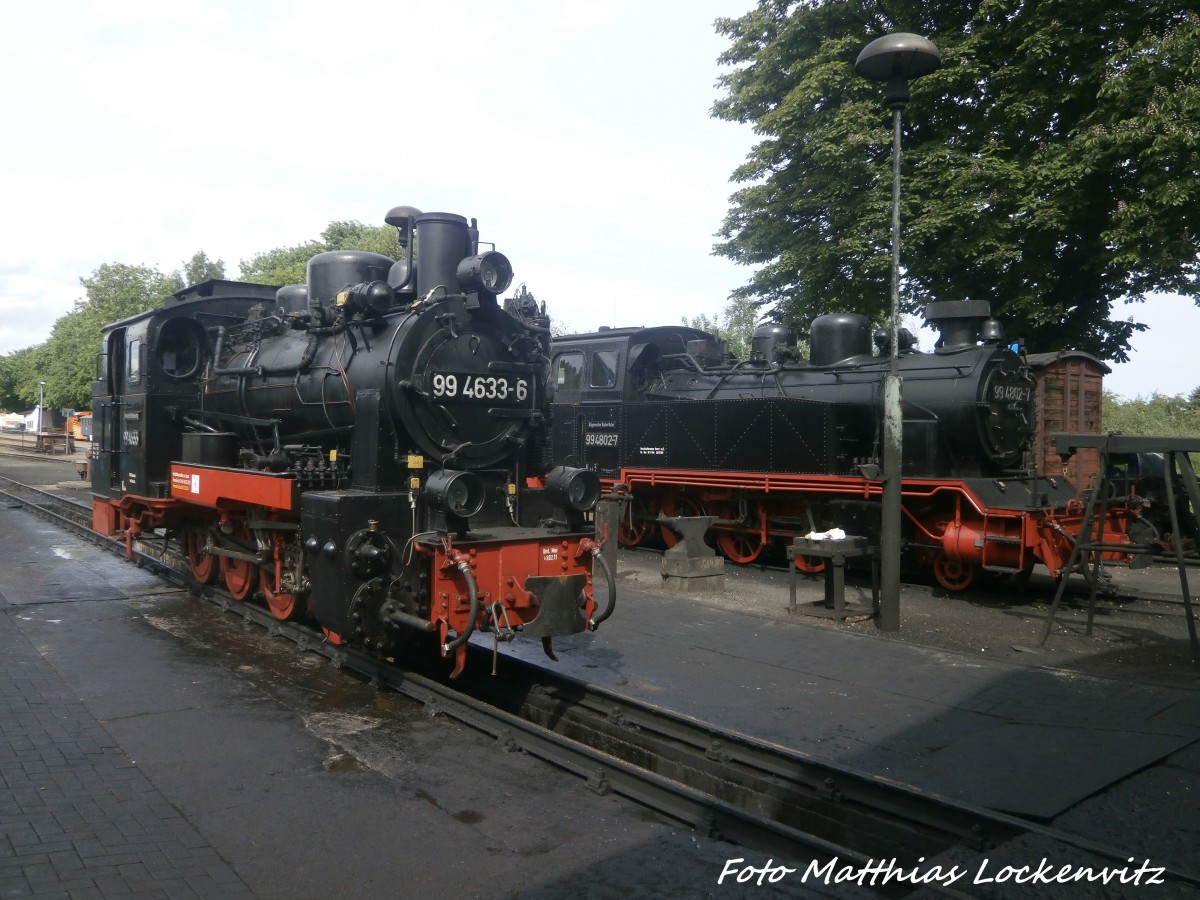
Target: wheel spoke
<point x="240" y="574"/>
<point x="283" y="605"/>
<point x="203" y="564"/>
<point x="810" y="565"/>
<point x="954" y="574"/>
<point x="741" y="547"/>
<point x="633" y="527"/>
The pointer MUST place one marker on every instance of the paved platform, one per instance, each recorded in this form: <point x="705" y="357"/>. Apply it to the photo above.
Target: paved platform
<point x="78" y="816"/>
<point x="989" y="733"/>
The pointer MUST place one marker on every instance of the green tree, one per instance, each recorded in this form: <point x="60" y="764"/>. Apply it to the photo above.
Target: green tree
<point x="289" y="265"/>
<point x="66" y="361"/>
<point x="197" y="269"/>
<point x="114" y="291"/>
<point x="283" y="265"/>
<point x="735" y="326"/>
<point x="1157" y="414"/>
<point x="1051" y="166"/>
<point x="357" y="236"/>
<point x="17" y="376"/>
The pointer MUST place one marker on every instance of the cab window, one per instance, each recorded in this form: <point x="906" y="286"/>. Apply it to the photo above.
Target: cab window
<point x="604" y="369"/>
<point x="135" y="360"/>
<point x="569" y="372"/>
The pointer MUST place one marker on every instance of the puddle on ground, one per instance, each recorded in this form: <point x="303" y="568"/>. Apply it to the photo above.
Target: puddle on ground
<point x="329" y="724"/>
<point x="71" y="552"/>
<point x="170" y="626"/>
<point x="343" y="761"/>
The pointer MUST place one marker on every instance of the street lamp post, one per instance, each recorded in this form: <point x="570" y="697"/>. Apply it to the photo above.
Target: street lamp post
<point x="39" y="439"/>
<point x="895" y="59"/>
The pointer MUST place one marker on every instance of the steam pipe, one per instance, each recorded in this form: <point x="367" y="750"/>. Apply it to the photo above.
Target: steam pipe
<point x="612" y="590"/>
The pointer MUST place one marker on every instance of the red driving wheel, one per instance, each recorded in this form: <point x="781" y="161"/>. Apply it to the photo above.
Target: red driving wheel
<point x="283" y="605"/>
<point x="809" y="565"/>
<point x="633" y="527"/>
<point x="741" y="547"/>
<point x="203" y="563"/>
<point x="240" y="575"/>
<point x="954" y="574"/>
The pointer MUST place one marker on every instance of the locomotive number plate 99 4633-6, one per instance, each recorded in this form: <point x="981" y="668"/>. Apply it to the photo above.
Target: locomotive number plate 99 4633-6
<point x="484" y="388"/>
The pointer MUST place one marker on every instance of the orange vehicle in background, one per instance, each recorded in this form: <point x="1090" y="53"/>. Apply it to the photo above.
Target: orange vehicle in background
<point x="79" y="426"/>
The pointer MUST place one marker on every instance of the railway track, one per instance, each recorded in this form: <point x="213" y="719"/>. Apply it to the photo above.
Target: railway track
<point x="75" y="516"/>
<point x="728" y="785"/>
<point x="48" y="445"/>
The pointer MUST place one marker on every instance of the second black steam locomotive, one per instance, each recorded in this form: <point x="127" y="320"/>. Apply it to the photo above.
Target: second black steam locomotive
<point x="369" y="448"/>
<point x="778" y="445"/>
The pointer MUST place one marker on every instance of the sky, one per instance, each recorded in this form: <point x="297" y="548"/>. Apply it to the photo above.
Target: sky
<point x="578" y="133"/>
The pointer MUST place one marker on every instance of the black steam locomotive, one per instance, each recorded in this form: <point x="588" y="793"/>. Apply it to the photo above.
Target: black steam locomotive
<point x="778" y="445"/>
<point x="369" y="449"/>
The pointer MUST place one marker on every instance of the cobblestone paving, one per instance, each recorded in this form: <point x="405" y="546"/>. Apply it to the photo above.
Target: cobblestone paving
<point x="78" y="819"/>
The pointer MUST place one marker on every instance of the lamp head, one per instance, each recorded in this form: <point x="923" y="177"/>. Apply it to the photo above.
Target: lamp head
<point x="897" y="59"/>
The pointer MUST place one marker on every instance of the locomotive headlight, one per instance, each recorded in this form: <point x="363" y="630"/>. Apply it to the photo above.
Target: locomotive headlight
<point x="575" y="489"/>
<point x="490" y="272"/>
<point x="458" y="493"/>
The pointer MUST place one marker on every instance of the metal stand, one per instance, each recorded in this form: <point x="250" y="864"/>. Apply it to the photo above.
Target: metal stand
<point x="609" y="509"/>
<point x="837" y="552"/>
<point x="691" y="566"/>
<point x="1175" y="457"/>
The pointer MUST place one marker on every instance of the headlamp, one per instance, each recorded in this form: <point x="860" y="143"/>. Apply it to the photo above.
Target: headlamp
<point x="457" y="493"/>
<point x="573" y="489"/>
<point x="490" y="272"/>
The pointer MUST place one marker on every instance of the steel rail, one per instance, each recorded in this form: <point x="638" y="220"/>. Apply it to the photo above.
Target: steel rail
<point x="47" y="500"/>
<point x="723" y="783"/>
<point x="878" y="817"/>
